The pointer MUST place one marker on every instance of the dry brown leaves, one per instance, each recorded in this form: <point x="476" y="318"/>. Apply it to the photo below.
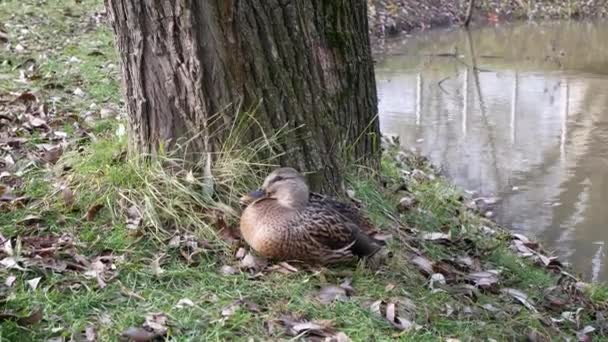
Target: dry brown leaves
<point x="317" y="330"/>
<point x="22" y="119"/>
<point x="57" y="254"/>
<point x="527" y="248"/>
<point x="154" y="326"/>
<point x="239" y="304"/>
<point x="330" y="293"/>
<point x="190" y="248"/>
<point x="399" y="313"/>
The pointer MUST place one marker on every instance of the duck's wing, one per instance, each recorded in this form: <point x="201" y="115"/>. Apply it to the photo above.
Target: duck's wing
<point x="334" y="231"/>
<point x="352" y="213"/>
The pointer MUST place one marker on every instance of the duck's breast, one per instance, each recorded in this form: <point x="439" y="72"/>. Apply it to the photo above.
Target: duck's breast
<point x="266" y="234"/>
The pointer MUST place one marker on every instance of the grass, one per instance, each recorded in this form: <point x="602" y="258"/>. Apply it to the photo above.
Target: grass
<point x="151" y="275"/>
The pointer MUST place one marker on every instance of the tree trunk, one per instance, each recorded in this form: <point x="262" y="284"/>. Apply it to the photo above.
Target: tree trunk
<point x="190" y="66"/>
<point x="469" y="14"/>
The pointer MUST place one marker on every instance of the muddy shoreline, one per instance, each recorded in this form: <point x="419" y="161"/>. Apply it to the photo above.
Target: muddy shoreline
<point x="389" y="18"/>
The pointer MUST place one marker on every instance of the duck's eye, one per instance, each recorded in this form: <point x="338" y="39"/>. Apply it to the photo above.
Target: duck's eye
<point x="277" y="179"/>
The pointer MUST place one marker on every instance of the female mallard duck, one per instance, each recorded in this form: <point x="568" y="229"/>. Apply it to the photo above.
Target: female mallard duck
<point x="284" y="221"/>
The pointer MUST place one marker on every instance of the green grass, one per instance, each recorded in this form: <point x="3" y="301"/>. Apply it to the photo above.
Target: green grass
<point x="94" y="168"/>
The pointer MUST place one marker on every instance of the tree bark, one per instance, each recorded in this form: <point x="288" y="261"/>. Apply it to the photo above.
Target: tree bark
<point x="305" y="65"/>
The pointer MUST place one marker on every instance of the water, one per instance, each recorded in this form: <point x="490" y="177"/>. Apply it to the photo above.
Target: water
<point x="521" y="113"/>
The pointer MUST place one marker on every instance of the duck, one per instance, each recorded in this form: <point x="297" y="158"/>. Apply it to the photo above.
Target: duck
<point x="285" y="221"/>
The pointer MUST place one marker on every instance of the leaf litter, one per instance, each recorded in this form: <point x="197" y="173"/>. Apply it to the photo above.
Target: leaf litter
<point x="154" y="326"/>
<point x="330" y="293"/>
<point x="323" y="330"/>
<point x="395" y="313"/>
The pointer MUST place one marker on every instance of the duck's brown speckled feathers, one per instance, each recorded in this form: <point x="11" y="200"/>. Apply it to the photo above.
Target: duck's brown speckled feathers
<point x="352" y="212"/>
<point x="289" y="223"/>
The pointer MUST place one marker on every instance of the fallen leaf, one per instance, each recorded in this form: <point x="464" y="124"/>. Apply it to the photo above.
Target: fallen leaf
<point x="521" y="248"/>
<point x="228" y="270"/>
<point x="79" y="92"/>
<point x="184" y="302"/>
<point x="352" y="196"/>
<point x="301" y="328"/>
<point x="520" y="297"/>
<point x="252" y="262"/>
<point x="520" y="237"/>
<point x="420" y="175"/>
<point x="549" y="261"/>
<point x="68" y="197"/>
<point x="33" y="283"/>
<point x="134" y="217"/>
<point x="490" y="308"/>
<point x="105" y="319"/>
<point x="156" y="265"/>
<point x="338" y="337"/>
<point x="190" y="177"/>
<point x="156" y="322"/>
<point x="37" y="122"/>
<point x="175" y="241"/>
<point x="446" y="269"/>
<point x="331" y="293"/>
<point x="139" y="334"/>
<point x="582" y="335"/>
<point x="390" y="314"/>
<point x="466" y="290"/>
<point x="96" y="270"/>
<point x="288" y="267"/>
<point x="7" y="246"/>
<point x="240" y="253"/>
<point x="449" y="310"/>
<point x="92" y="212"/>
<point x="10" y="280"/>
<point x="484" y="279"/>
<point x="382" y="237"/>
<point x="572" y="316"/>
<point x="423" y="264"/>
<point x="438" y="279"/>
<point x="8" y="160"/>
<point x="90" y="334"/>
<point x="11" y="262"/>
<point x="389" y="287"/>
<point x="406" y="203"/>
<point x="231" y="309"/>
<point x="435" y="236"/>
<point x="107" y="113"/>
<point x="128" y="292"/>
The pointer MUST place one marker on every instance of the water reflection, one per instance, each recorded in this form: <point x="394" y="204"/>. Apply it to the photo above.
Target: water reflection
<point x="518" y="111"/>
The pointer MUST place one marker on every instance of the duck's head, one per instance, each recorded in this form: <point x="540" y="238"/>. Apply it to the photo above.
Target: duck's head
<point x="285" y="185"/>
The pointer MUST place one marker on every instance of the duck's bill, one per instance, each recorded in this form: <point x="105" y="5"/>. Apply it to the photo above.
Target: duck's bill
<point x="252" y="196"/>
<point x="259" y="193"/>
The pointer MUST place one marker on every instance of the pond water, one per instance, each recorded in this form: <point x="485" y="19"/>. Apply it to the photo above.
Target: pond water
<point x="518" y="111"/>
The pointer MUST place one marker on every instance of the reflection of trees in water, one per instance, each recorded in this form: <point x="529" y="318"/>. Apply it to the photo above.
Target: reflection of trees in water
<point x="482" y="108"/>
<point x="559" y="131"/>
